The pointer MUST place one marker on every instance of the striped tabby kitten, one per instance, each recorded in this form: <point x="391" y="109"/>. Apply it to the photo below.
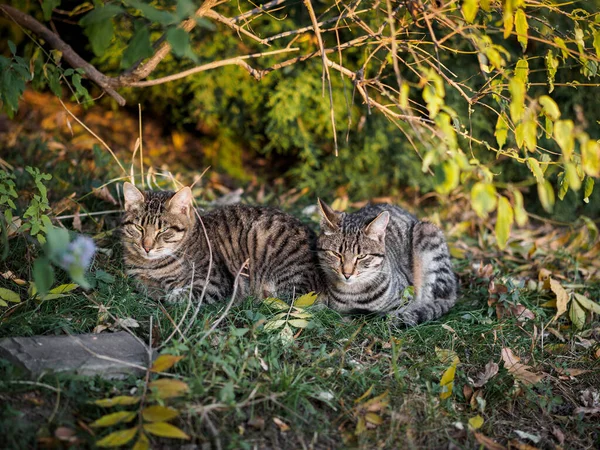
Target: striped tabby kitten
<point x="164" y="244"/>
<point x="369" y="257"/>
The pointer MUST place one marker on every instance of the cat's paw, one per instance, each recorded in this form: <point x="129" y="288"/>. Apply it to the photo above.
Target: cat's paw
<point x="179" y="295"/>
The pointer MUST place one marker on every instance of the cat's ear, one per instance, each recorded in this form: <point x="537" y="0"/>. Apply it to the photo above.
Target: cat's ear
<point x="134" y="198"/>
<point x="181" y="202"/>
<point x="376" y="228"/>
<point x="330" y="219"/>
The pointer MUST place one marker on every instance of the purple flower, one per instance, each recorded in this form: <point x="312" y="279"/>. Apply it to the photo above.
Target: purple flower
<point x="79" y="253"/>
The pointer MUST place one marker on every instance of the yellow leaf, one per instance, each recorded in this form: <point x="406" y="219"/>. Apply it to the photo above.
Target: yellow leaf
<point x="361" y="426"/>
<point x="517" y="91"/>
<point x="522" y="27"/>
<point x="483" y="198"/>
<point x="447" y="381"/>
<point x="117" y="438"/>
<point x="587" y="303"/>
<point x="546" y="195"/>
<point x="535" y="168"/>
<point x="571" y="176"/>
<point x="340" y="204"/>
<point x="142" y="443"/>
<point x="120" y="400"/>
<point x="306" y="300"/>
<point x="447" y="177"/>
<point x="549" y="107"/>
<point x="158" y="413"/>
<point x="530" y="133"/>
<point x="508" y="23"/>
<point x="376" y="403"/>
<point x="365" y="395"/>
<point x="63" y="288"/>
<point x="588" y="189"/>
<point x="9" y="296"/>
<point x="404" y="91"/>
<point x="562" y="298"/>
<point x="164" y="429"/>
<point x="446" y="356"/>
<point x="276" y="303"/>
<point x="577" y="315"/>
<point x="520" y="213"/>
<point x="522" y="70"/>
<point x="501" y="131"/>
<point x="298" y="323"/>
<point x="504" y="222"/>
<point x="469" y="10"/>
<point x="485" y="5"/>
<point x="373" y="418"/>
<point x="563" y="133"/>
<point x="165" y="362"/>
<point x="590" y="158"/>
<point x="476" y="422"/>
<point x="167" y="388"/>
<point x="114" y="418"/>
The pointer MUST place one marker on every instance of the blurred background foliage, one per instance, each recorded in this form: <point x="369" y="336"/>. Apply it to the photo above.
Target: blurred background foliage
<point x="280" y="125"/>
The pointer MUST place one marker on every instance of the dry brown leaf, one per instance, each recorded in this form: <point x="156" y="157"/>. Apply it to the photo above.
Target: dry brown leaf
<point x="467" y="392"/>
<point x="521" y="446"/>
<point x="283" y="427"/>
<point x="519" y="371"/>
<point x="544" y="274"/>
<point x="571" y="372"/>
<point x="556" y="333"/>
<point x="104" y="194"/>
<point x="521" y="313"/>
<point x="559" y="435"/>
<point x="487" y="442"/>
<point x="491" y="369"/>
<point x="77" y="221"/>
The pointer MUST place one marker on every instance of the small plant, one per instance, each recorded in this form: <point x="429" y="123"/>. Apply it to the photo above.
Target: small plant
<point x="152" y="413"/>
<point x="294" y="317"/>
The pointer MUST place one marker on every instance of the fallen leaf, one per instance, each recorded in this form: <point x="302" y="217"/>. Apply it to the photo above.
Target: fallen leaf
<point x="559" y="435"/>
<point x="283" y="427"/>
<point x="521" y="313"/>
<point x="571" y="372"/>
<point x="491" y="369"/>
<point x="476" y="422"/>
<point x="165" y="362"/>
<point x="104" y="194"/>
<point x="65" y="434"/>
<point x="487" y="442"/>
<point x="562" y="298"/>
<point x="257" y="423"/>
<point x="520" y="445"/>
<point x="447" y="380"/>
<point x="519" y="371"/>
<point x="467" y="392"/>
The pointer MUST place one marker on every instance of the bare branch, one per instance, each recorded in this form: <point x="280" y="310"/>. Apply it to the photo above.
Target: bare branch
<point x="231" y="24"/>
<point x="260" y="9"/>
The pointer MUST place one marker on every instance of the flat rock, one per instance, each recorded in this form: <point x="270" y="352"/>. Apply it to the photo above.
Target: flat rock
<point x="109" y="355"/>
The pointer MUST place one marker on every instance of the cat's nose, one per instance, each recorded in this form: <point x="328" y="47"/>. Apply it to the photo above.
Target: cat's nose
<point x="147" y="248"/>
<point x="347" y="276"/>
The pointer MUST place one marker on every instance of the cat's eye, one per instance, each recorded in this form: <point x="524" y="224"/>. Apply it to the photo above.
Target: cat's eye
<point x="332" y="253"/>
<point x="361" y="256"/>
<point x="138" y="227"/>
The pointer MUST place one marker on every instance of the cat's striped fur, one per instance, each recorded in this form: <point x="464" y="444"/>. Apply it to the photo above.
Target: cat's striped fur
<point x="370" y="256"/>
<point x="164" y="244"/>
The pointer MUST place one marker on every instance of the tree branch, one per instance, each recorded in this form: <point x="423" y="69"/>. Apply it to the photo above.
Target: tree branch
<point x="76" y="61"/>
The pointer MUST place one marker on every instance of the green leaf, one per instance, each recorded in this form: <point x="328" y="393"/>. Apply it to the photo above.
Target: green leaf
<point x="483" y="199"/>
<point x="118" y="438"/>
<point x="504" y="222"/>
<point x="63" y="288"/>
<point x="153" y="14"/>
<point x="43" y="275"/>
<point x="572" y="177"/>
<point x="179" y="40"/>
<point x="139" y="47"/>
<point x="164" y="429"/>
<point x="535" y="168"/>
<point x="272" y="325"/>
<point x="549" y="107"/>
<point x="597" y="42"/>
<point x="517" y="91"/>
<point x="9" y="296"/>
<point x="185" y="9"/>
<point x="12" y="47"/>
<point x="588" y="189"/>
<point x="48" y="6"/>
<point x="522" y="27"/>
<point x="501" y="131"/>
<point x="119" y="400"/>
<point x="101" y="13"/>
<point x="546" y="195"/>
<point x="157" y="413"/>
<point x="469" y="10"/>
<point x="100" y="34"/>
<point x="298" y="323"/>
<point x="276" y="303"/>
<point x="114" y="418"/>
<point x="563" y="133"/>
<point x="530" y="133"/>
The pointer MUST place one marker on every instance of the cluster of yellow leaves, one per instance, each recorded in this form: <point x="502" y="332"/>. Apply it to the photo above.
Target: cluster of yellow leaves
<point x="368" y="412"/>
<point x="154" y="418"/>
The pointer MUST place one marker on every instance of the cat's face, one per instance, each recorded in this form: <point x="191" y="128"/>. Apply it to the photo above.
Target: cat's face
<point x="350" y="250"/>
<point x="156" y="224"/>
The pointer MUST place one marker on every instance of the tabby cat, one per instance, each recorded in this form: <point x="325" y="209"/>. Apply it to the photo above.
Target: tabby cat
<point x="369" y="257"/>
<point x="166" y="251"/>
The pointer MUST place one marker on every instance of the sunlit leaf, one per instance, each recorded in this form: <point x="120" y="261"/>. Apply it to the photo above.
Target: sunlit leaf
<point x="447" y="177"/>
<point x="504" y="221"/>
<point x="508" y="23"/>
<point x="114" y="418"/>
<point x="563" y="133"/>
<point x="469" y="10"/>
<point x="167" y="387"/>
<point x="530" y="133"/>
<point x="551" y="67"/>
<point x="517" y="90"/>
<point x="157" y="413"/>
<point x="572" y="177"/>
<point x="306" y="300"/>
<point x="549" y="107"/>
<point x="519" y="209"/>
<point x="546" y="195"/>
<point x="590" y="158"/>
<point x="521" y="28"/>
<point x="164" y="429"/>
<point x="501" y="131"/>
<point x="535" y="168"/>
<point x="117" y="438"/>
<point x="447" y="381"/>
<point x="588" y="189"/>
<point x="165" y="362"/>
<point x="9" y="296"/>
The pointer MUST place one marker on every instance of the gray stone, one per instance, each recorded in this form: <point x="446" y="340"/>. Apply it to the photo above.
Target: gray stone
<point x="110" y="355"/>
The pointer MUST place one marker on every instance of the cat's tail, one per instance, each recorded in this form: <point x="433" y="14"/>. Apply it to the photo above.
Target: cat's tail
<point x="435" y="282"/>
